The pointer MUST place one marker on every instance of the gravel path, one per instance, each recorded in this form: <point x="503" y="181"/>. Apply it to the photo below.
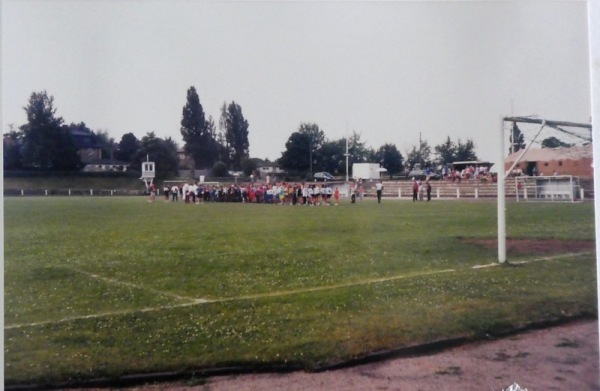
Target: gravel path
<point x="558" y="358"/>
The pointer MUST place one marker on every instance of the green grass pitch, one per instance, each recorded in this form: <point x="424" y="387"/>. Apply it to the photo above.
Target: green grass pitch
<point x="110" y="286"/>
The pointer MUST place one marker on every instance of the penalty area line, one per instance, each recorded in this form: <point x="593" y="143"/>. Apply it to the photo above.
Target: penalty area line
<point x="331" y="287"/>
<point x="196" y="301"/>
<point x="114" y="281"/>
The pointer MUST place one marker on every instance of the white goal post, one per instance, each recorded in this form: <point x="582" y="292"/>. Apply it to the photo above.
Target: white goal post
<point x="502" y="173"/>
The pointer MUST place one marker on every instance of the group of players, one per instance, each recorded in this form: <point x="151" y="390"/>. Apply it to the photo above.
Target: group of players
<point x="284" y="193"/>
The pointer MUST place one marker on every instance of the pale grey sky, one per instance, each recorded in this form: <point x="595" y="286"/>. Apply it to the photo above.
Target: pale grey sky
<point x="388" y="70"/>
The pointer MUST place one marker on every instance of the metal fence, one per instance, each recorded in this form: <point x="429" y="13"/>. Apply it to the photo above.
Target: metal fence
<point x="72" y="192"/>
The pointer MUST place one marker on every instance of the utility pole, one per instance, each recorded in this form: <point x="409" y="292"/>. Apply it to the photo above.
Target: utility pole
<point x="310" y="154"/>
<point x="347" y="155"/>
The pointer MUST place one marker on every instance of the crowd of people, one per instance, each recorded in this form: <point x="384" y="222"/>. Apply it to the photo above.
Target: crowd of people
<point x="471" y="172"/>
<point x="283" y="193"/>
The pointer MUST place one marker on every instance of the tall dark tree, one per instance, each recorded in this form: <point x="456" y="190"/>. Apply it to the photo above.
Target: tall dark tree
<point x="330" y="157"/>
<point x="316" y="135"/>
<point x="199" y="143"/>
<point x="162" y="152"/>
<point x="390" y="158"/>
<point x="449" y="152"/>
<point x="516" y="139"/>
<point x="446" y="152"/>
<point x="249" y="166"/>
<point x="297" y="155"/>
<point x="235" y="127"/>
<point x="46" y="143"/>
<point x="12" y="144"/>
<point x="127" y="147"/>
<point x="466" y="152"/>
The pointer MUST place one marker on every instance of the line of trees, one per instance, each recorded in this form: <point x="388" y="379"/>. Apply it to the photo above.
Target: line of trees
<point x="308" y="150"/>
<point x="46" y="143"/>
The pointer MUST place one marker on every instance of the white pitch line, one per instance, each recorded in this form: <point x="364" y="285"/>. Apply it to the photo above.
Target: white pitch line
<point x="332" y="287"/>
<point x="549" y="258"/>
<point x="194" y="302"/>
<point x="106" y="314"/>
<point x="197" y="301"/>
<point x="130" y="284"/>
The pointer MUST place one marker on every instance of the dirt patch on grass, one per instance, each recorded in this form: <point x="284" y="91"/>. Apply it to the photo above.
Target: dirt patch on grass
<point x="537" y="246"/>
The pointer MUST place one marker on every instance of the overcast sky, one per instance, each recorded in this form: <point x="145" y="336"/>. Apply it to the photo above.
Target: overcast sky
<point x="388" y="70"/>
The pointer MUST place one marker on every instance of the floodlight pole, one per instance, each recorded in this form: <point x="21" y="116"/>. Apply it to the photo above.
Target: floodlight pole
<point x="501" y="199"/>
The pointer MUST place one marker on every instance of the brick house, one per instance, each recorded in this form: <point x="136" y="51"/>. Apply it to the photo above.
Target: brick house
<point x="576" y="161"/>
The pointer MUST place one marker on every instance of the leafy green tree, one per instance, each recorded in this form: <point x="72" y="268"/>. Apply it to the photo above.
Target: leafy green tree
<point x="235" y="127"/>
<point x="450" y="152"/>
<point x="516" y="139"/>
<point x="421" y="156"/>
<point x="162" y="152"/>
<point x="390" y="158"/>
<point x="358" y="150"/>
<point x="330" y="157"/>
<point x="316" y="135"/>
<point x="127" y="147"/>
<point x="465" y="152"/>
<point x="46" y="143"/>
<point x="297" y="154"/>
<point x="446" y="152"/>
<point x="302" y="150"/>
<point x="553" y="142"/>
<point x="219" y="169"/>
<point x="199" y="142"/>
<point x="249" y="166"/>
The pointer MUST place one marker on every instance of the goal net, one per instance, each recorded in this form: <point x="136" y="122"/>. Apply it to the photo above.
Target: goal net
<point x="561" y="188"/>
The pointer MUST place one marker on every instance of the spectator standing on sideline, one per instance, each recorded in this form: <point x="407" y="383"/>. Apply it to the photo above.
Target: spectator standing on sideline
<point x="379" y="189"/>
<point x="166" y="192"/>
<point x="336" y="196"/>
<point x="428" y="188"/>
<point x="193" y="189"/>
<point x="175" y="193"/>
<point x="152" y="194"/>
<point x="415" y="188"/>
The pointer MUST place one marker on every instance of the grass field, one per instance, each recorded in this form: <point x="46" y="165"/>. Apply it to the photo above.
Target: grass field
<point x="106" y="287"/>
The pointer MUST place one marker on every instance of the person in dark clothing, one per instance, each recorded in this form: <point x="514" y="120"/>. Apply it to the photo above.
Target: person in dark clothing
<point x="415" y="188"/>
<point x="428" y="188"/>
